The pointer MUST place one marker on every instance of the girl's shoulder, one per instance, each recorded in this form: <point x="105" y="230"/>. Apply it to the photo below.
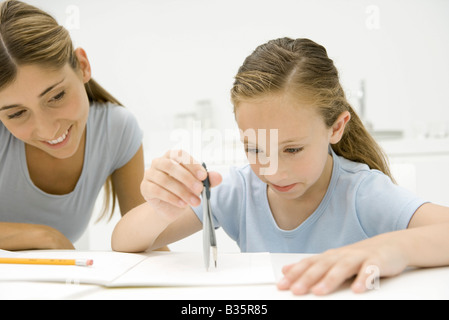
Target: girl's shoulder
<point x="379" y="204"/>
<point x="359" y="180"/>
<point x="357" y="173"/>
<point x="352" y="167"/>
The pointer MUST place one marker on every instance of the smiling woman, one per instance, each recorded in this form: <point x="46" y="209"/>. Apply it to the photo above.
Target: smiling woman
<point x="62" y="136"/>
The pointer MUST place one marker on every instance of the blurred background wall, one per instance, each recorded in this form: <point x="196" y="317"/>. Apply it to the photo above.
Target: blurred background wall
<point x="172" y="63"/>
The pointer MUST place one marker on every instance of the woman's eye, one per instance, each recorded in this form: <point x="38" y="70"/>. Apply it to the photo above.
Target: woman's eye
<point x="58" y="97"/>
<point x="16" y="115"/>
<point x="293" y="150"/>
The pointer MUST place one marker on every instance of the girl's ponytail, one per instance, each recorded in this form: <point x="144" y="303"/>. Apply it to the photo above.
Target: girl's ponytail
<point x="358" y="145"/>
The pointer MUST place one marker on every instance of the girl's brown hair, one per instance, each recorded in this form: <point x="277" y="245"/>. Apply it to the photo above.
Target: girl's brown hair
<point x="29" y="35"/>
<point x="303" y="67"/>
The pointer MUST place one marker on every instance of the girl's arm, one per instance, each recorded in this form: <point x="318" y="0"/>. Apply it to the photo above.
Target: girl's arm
<point x="170" y="187"/>
<point x="126" y="182"/>
<point x="143" y="228"/>
<point x="424" y="244"/>
<point x="24" y="236"/>
<point x="427" y="241"/>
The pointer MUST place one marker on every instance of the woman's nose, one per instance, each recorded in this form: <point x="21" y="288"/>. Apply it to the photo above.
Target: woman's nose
<point x="45" y="127"/>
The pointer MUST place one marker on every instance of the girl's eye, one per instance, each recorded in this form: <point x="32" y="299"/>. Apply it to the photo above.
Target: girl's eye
<point x="16" y="115"/>
<point x="252" y="150"/>
<point x="293" y="150"/>
<point x="58" y="97"/>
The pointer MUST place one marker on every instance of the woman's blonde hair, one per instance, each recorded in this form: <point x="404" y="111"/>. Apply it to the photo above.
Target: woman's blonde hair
<point x="29" y="35"/>
<point x="303" y="67"/>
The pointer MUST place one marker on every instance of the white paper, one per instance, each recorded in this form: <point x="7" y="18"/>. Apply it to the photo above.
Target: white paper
<point x="187" y="269"/>
<point x="114" y="269"/>
<point x="107" y="266"/>
<point x="8" y="254"/>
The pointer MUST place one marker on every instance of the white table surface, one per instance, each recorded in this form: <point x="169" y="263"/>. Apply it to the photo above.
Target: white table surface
<point x="419" y="284"/>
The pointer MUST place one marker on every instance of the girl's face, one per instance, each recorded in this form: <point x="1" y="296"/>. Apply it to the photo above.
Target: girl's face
<point x="48" y="109"/>
<point x="299" y="156"/>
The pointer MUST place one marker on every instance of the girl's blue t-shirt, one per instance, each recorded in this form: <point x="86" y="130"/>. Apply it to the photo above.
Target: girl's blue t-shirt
<point x="360" y="203"/>
<point x="112" y="138"/>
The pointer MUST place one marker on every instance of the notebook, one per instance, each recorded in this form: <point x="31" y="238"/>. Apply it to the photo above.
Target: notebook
<point x="115" y="269"/>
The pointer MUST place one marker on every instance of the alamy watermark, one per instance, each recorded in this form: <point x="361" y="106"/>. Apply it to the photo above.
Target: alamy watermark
<point x="72" y="21"/>
<point x="372" y="21"/>
<point x="228" y="146"/>
<point x="372" y="282"/>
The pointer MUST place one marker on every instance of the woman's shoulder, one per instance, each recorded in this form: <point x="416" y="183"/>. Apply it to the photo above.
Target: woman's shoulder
<point x="116" y="128"/>
<point x="5" y="138"/>
<point x="111" y="118"/>
<point x="108" y="110"/>
<point x="3" y="131"/>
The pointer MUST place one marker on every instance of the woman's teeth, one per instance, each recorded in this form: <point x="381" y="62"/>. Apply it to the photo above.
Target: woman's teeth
<point x="60" y="139"/>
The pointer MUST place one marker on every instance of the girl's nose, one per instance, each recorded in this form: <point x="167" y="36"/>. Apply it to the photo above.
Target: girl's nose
<point x="279" y="176"/>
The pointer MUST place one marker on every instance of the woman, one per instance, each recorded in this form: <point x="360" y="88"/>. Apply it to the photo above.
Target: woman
<point x="62" y="136"/>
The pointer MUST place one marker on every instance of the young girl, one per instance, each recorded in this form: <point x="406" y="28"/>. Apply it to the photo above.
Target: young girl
<point x="332" y="191"/>
<point x="62" y="136"/>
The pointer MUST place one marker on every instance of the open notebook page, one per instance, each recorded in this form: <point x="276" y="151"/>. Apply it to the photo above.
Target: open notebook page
<point x="187" y="269"/>
<point x="116" y="269"/>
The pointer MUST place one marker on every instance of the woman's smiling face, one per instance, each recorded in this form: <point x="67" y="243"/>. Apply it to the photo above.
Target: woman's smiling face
<point x="47" y="109"/>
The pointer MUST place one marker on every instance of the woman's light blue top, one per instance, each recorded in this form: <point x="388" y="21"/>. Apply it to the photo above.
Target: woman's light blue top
<point x="112" y="138"/>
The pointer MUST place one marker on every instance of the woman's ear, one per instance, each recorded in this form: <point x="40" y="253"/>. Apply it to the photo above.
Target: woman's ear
<point x="84" y="64"/>
<point x="338" y="128"/>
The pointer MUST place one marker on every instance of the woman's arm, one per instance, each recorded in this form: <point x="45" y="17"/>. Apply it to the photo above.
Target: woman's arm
<point x="24" y="236"/>
<point x="127" y="180"/>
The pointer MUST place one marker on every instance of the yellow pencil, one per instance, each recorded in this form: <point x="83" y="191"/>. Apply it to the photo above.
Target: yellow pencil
<point x="56" y="262"/>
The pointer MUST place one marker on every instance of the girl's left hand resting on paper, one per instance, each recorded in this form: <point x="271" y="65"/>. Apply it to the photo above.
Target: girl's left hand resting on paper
<point x="324" y="273"/>
<point x="387" y="254"/>
<point x="170" y="187"/>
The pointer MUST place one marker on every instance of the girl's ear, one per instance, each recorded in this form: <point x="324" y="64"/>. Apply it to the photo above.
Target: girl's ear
<point x="84" y="64"/>
<point x="338" y="128"/>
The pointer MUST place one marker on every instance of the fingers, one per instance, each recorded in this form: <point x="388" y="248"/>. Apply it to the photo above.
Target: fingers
<point x="176" y="179"/>
<point x="322" y="274"/>
<point x="194" y="167"/>
<point x="367" y="278"/>
<point x="187" y="162"/>
<point x="215" y="178"/>
<point x="160" y="186"/>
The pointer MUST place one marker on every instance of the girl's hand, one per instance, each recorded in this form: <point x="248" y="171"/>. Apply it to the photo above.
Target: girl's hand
<point x="174" y="182"/>
<point x="324" y="273"/>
